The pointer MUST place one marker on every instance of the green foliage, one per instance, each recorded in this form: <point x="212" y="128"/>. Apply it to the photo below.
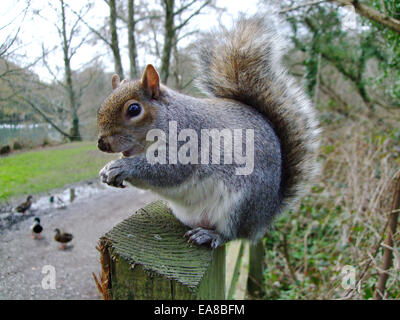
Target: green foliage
<point x="317" y="253"/>
<point x="350" y="51"/>
<point x="312" y="246"/>
<point x="390" y="47"/>
<point x="341" y="221"/>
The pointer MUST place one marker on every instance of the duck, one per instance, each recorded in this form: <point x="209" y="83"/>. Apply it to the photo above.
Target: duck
<point x="60" y="203"/>
<point x="62" y="237"/>
<point x="23" y="207"/>
<point x="57" y="202"/>
<point x="36" y="228"/>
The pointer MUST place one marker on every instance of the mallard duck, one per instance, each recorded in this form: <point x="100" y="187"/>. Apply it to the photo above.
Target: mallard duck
<point x="36" y="228"/>
<point x="57" y="202"/>
<point x="25" y="205"/>
<point x="62" y="237"/>
<point x="60" y="203"/>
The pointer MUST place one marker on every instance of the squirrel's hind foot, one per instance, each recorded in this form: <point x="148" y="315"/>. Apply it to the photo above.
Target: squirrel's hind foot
<point x="200" y="236"/>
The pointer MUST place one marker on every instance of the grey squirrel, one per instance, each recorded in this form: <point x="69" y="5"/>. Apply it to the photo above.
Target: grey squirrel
<point x="248" y="87"/>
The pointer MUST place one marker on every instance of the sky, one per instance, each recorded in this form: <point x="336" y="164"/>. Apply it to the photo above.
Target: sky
<point x="38" y="31"/>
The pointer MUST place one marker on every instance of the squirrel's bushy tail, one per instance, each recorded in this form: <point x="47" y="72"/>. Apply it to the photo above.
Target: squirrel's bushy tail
<point x="245" y="64"/>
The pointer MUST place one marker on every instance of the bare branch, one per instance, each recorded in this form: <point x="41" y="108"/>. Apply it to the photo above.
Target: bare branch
<point x="55" y="78"/>
<point x="183" y="8"/>
<point x="9" y="43"/>
<point x="302" y="5"/>
<point x="195" y="13"/>
<point x="97" y="33"/>
<point x="371" y="14"/>
<point x="28" y="101"/>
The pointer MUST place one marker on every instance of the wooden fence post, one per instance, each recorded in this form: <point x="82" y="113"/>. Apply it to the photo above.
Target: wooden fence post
<point x="236" y="269"/>
<point x="147" y="257"/>
<point x="255" y="287"/>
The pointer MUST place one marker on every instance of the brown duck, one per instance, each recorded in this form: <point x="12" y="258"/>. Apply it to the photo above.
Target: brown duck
<point x="62" y="237"/>
<point x="25" y="205"/>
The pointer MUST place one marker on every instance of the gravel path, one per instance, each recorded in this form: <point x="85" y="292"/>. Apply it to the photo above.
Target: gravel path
<point x="22" y="259"/>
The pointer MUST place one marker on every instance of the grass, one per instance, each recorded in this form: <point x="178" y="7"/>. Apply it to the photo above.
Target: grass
<point x="42" y="170"/>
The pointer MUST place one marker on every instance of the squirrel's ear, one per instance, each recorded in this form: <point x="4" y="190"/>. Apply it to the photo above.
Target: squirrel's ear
<point x="151" y="81"/>
<point x="115" y="81"/>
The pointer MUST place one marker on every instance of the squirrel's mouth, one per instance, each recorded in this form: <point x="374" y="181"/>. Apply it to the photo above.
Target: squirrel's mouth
<point x="128" y="153"/>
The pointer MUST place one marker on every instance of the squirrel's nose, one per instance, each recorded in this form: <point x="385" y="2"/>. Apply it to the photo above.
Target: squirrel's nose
<point x="103" y="145"/>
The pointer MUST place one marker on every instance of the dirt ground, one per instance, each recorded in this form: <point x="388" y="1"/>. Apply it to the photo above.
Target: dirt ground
<point x="22" y="259"/>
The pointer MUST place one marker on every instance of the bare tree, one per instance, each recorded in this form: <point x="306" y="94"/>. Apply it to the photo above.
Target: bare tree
<point x="53" y="108"/>
<point x="7" y="46"/>
<point x="132" y="20"/>
<point x="131" y="40"/>
<point x="113" y="42"/>
<point x="169" y="37"/>
<point x="20" y="88"/>
<point x="11" y="39"/>
<point x="134" y="16"/>
<point x="114" y="39"/>
<point x="73" y="102"/>
<point x="27" y="91"/>
<point x="171" y="28"/>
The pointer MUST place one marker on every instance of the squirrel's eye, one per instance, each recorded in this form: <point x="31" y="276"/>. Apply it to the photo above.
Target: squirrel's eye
<point x="134" y="110"/>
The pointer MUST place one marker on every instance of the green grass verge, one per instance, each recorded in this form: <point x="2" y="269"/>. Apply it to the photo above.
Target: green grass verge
<point x="42" y="170"/>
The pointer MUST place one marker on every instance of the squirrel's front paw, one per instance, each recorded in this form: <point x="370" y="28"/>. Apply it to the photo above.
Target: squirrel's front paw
<point x="114" y="173"/>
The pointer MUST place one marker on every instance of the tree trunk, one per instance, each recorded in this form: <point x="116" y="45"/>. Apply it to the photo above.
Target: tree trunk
<point x="389" y="243"/>
<point x="131" y="40"/>
<point x="169" y="37"/>
<point x="74" y="133"/>
<point x="45" y="118"/>
<point x="362" y="63"/>
<point x="177" y="74"/>
<point x="114" y="39"/>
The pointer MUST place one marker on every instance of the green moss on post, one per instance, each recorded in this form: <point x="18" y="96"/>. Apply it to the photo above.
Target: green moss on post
<point x="255" y="287"/>
<point x="150" y="259"/>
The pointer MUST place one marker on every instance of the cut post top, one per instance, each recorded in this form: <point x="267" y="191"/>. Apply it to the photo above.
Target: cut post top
<point x="152" y="239"/>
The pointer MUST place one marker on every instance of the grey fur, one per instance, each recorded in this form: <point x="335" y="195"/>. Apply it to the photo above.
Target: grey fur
<point x="242" y="71"/>
<point x="245" y="64"/>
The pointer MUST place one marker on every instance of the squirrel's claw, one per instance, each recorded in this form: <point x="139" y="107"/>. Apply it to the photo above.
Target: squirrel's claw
<point x="113" y="174"/>
<point x="200" y="236"/>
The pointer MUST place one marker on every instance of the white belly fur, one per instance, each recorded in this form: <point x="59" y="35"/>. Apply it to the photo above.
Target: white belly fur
<point x="204" y="203"/>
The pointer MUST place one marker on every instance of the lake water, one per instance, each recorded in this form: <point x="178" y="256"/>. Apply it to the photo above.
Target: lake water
<point x="27" y="134"/>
